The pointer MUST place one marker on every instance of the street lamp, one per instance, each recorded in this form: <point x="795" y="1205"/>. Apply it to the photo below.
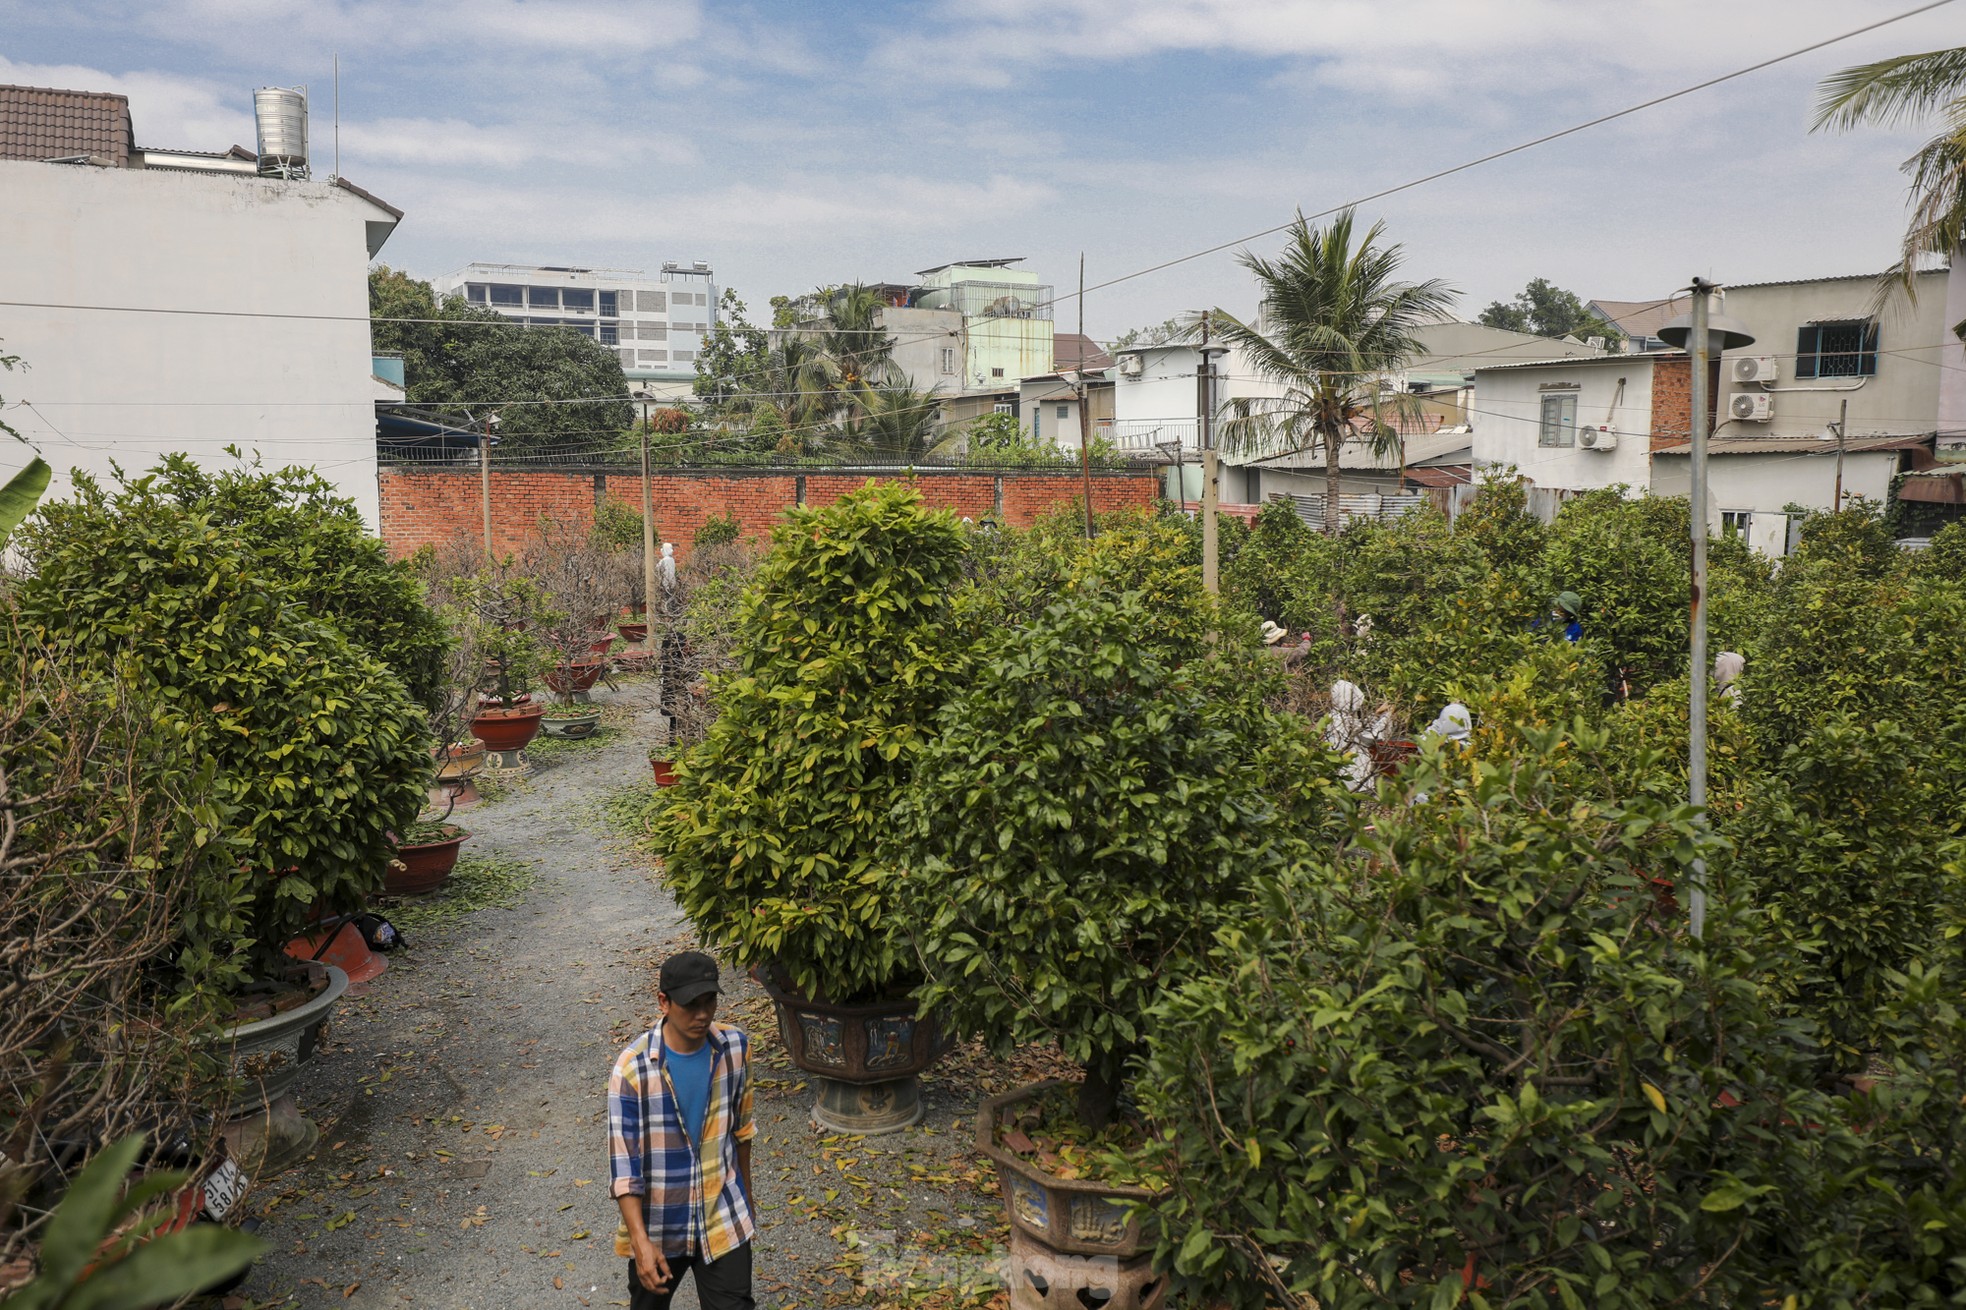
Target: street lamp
<point x="1697" y="333"/>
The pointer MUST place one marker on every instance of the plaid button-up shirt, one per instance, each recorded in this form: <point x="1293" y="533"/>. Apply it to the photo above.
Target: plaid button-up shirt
<point x="694" y="1193"/>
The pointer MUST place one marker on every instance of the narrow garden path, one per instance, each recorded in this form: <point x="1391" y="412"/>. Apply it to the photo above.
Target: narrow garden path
<point x="462" y="1160"/>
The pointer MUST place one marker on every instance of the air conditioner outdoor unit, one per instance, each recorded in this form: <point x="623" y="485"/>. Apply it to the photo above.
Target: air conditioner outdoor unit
<point x="1130" y="366"/>
<point x="1757" y="368"/>
<point x="1755" y="409"/>
<point x="1598" y="439"/>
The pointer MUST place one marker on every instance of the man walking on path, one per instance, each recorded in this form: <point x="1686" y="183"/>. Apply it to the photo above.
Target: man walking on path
<point x="680" y="1130"/>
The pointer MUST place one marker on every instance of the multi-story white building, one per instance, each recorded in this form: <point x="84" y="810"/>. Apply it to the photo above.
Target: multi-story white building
<point x="657" y="325"/>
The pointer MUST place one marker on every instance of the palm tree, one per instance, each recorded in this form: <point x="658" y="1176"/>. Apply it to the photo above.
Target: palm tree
<point x="1332" y="324"/>
<point x="895" y="423"/>
<point x="1893" y="91"/>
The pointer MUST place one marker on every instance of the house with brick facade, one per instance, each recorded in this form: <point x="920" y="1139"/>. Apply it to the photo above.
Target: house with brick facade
<point x="1572" y="425"/>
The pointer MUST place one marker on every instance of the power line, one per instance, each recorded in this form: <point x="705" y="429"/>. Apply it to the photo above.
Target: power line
<point x="1491" y="157"/>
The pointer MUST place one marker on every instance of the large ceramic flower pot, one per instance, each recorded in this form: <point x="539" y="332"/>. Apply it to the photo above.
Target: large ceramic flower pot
<point x="1073" y="1242"/>
<point x="866" y="1060"/>
<point x="633" y="631"/>
<point x="581" y="675"/>
<point x="506" y="731"/>
<point x="422" y="867"/>
<point x="267" y="1131"/>
<point x="571" y="725"/>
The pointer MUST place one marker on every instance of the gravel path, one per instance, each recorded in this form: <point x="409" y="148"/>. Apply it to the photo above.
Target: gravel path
<point x="463" y="1152"/>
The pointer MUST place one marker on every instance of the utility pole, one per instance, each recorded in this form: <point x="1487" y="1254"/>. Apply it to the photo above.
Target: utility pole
<point x="648" y="523"/>
<point x="1695" y="333"/>
<point x="1085" y="418"/>
<point x="484" y="481"/>
<point x="1842" y="434"/>
<point x="1211" y="470"/>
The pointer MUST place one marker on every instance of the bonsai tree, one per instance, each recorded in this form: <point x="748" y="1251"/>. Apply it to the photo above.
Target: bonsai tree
<point x="1464" y="1060"/>
<point x="306" y="749"/>
<point x="778" y="838"/>
<point x="505" y="615"/>
<point x="1086" y="815"/>
<point x="576" y="577"/>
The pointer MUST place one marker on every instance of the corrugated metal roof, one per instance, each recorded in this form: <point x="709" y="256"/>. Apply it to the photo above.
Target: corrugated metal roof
<point x="1587" y="359"/>
<point x="1802" y="445"/>
<point x="38" y="123"/>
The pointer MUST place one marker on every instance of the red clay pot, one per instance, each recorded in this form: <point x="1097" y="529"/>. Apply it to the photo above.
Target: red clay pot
<point x="1388" y="756"/>
<point x="633" y="631"/>
<point x="347" y="951"/>
<point x="581" y="675"/>
<point x="508" y="727"/>
<point x="421" y="869"/>
<point x="665" y="772"/>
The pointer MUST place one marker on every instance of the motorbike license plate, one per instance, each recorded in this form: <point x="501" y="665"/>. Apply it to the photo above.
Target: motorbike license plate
<point x="223" y="1188"/>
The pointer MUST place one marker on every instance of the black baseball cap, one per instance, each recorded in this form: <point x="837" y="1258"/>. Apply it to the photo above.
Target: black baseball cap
<point x="688" y="977"/>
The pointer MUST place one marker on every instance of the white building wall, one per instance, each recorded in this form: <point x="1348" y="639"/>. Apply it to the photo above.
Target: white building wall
<point x="1508" y="422"/>
<point x="240" y="252"/>
<point x="1901" y="398"/>
<point x="1762" y="484"/>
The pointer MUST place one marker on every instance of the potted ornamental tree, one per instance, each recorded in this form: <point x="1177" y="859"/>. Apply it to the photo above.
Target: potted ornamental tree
<point x="1088" y="811"/>
<point x="578" y="579"/>
<point x="504" y="613"/>
<point x="296" y="752"/>
<point x="777" y="836"/>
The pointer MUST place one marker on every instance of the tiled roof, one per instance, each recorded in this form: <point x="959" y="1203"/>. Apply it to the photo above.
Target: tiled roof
<point x="1073" y="351"/>
<point x="39" y="123"/>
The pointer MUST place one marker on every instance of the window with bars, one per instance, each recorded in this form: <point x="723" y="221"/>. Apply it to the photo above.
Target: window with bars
<point x="610" y="334"/>
<point x="608" y="303"/>
<point x="1559" y="423"/>
<point x="948" y="360"/>
<point x="1846" y="349"/>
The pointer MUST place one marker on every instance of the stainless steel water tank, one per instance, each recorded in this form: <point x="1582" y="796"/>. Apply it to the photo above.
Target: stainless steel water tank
<point x="281" y="116"/>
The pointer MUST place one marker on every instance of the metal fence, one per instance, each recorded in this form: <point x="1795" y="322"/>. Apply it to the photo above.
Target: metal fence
<point x="1355" y="507"/>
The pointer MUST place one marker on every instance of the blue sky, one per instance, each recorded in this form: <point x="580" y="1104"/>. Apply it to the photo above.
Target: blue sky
<point x="798" y="144"/>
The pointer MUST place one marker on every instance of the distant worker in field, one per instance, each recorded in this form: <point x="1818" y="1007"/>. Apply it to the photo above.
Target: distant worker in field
<point x="1568" y="613"/>
<point x="680" y="1131"/>
<point x="1727" y="668"/>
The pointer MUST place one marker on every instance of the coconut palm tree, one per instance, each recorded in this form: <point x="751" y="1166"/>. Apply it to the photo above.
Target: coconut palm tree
<point x="895" y="423"/>
<point x="1898" y="90"/>
<point x="1333" y="323"/>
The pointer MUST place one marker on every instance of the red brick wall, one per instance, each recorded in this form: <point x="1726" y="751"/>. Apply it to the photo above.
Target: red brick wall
<point x="1672" y="400"/>
<point x="430" y="506"/>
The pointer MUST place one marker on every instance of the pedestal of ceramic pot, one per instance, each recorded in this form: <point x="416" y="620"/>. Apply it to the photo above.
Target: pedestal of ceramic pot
<point x="1072" y="1240"/>
<point x="507" y="763"/>
<point x="865" y="1060"/>
<point x="275" y="1137"/>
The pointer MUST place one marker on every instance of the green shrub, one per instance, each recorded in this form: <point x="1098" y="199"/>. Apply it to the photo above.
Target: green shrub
<point x="315" y="749"/>
<point x="718" y="529"/>
<point x="1498" y="521"/>
<point x="1086" y="813"/>
<point x="777" y="838"/>
<point x="1466" y="1059"/>
<point x="302" y="530"/>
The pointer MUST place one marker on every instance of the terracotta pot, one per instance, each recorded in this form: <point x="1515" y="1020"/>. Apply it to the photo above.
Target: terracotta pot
<point x="581" y="675"/>
<point x="422" y="868"/>
<point x="1072" y="1240"/>
<point x="576" y="725"/>
<point x="460" y="762"/>
<point x="602" y="647"/>
<point x="633" y="631"/>
<point x="1388" y="756"/>
<point x="665" y="772"/>
<point x="508" y="727"/>
<point x="347" y="950"/>
<point x="865" y="1059"/>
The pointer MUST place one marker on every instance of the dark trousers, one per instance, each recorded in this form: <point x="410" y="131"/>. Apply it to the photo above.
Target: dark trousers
<point x="723" y="1284"/>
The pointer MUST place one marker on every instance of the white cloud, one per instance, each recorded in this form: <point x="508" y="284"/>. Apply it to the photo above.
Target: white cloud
<point x="454" y="143"/>
<point x="166" y="109"/>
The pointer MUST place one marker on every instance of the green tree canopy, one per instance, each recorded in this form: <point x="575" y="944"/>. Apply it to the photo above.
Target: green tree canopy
<point x="553" y="390"/>
<point x="1548" y="310"/>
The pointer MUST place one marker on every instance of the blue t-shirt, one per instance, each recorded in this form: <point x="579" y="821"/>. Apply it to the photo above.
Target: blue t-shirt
<point x="690" y="1075"/>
